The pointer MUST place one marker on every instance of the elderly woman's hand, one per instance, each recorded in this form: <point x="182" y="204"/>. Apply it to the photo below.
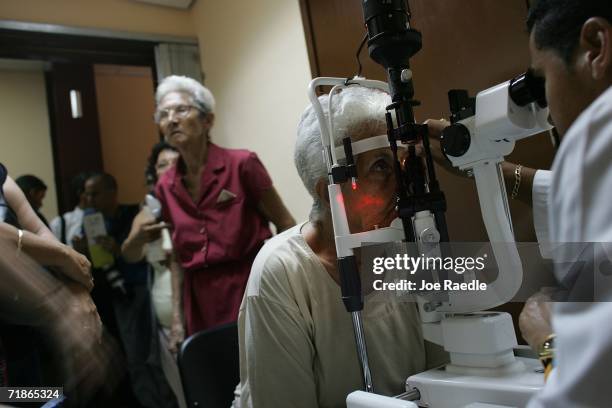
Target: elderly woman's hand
<point x="535" y="319"/>
<point x="177" y="335"/>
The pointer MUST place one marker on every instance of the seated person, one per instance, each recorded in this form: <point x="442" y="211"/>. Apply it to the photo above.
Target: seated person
<point x="297" y="346"/>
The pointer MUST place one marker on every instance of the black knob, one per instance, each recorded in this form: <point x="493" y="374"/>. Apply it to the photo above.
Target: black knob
<point x="462" y="106"/>
<point x="528" y="88"/>
<point x="455" y="140"/>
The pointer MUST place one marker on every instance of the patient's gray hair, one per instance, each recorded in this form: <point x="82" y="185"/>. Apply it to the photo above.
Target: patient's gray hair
<point x="354" y="109"/>
<point x="201" y="97"/>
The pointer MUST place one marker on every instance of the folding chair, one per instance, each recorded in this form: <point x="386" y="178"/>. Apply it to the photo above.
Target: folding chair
<point x="209" y="366"/>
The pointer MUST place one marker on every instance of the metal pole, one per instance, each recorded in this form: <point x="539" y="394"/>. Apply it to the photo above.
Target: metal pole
<point x="362" y="351"/>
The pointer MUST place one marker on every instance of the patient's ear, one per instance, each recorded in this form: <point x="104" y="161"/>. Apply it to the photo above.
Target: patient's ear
<point x="322" y="192"/>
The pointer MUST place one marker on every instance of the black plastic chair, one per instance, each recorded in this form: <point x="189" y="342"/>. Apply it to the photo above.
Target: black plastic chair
<point x="209" y="366"/>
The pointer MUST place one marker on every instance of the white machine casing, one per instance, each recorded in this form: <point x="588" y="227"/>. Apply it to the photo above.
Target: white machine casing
<point x="345" y="241"/>
<point x="497" y="125"/>
<point x="483" y="370"/>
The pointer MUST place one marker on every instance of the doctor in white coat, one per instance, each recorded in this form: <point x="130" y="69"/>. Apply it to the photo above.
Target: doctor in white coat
<point x="571" y="48"/>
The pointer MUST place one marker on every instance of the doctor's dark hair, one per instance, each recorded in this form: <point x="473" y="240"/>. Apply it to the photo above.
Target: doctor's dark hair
<point x="556" y="24"/>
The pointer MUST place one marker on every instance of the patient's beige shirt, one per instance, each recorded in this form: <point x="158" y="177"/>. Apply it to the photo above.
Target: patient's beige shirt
<point x="297" y="347"/>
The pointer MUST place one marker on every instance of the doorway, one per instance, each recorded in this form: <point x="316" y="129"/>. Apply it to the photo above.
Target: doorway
<point x="111" y="77"/>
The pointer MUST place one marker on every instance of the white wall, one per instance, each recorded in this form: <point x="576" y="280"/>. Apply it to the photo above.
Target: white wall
<point x="256" y="64"/>
<point x="121" y="15"/>
<point x="25" y="141"/>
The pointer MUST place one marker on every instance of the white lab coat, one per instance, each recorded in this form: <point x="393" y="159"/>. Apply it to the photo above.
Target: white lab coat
<point x="541" y="188"/>
<point x="580" y="210"/>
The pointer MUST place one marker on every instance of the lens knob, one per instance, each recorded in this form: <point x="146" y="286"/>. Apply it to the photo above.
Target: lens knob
<point x="455" y="140"/>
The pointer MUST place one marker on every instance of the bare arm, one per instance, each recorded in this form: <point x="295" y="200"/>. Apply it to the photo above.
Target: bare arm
<point x="144" y="230"/>
<point x="132" y="248"/>
<point x="272" y="207"/>
<point x="39" y="242"/>
<point x="526" y="185"/>
<point x="49" y="252"/>
<point x="177" y="332"/>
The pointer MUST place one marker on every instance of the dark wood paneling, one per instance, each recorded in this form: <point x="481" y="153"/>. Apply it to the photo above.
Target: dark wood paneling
<point x="470" y="47"/>
<point x="65" y="48"/>
<point x="309" y="36"/>
<point x="76" y="142"/>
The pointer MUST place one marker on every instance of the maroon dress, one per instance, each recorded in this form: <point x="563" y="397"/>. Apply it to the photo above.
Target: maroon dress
<point x="216" y="237"/>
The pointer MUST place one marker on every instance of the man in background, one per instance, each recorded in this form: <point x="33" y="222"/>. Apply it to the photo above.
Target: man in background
<point x="35" y="190"/>
<point x="68" y="226"/>
<point x="121" y="291"/>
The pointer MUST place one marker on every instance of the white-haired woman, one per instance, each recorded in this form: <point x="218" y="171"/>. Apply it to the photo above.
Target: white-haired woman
<point x="296" y="339"/>
<point x="219" y="202"/>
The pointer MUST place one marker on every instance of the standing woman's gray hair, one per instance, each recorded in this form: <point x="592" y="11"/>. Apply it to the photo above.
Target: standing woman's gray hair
<point x="354" y="108"/>
<point x="201" y="96"/>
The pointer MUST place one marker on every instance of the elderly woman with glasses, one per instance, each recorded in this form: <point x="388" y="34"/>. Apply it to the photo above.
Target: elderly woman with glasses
<point x="297" y="346"/>
<point x="219" y="202"/>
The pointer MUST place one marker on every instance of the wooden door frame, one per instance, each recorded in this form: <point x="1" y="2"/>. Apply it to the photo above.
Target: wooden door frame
<point x="56" y="44"/>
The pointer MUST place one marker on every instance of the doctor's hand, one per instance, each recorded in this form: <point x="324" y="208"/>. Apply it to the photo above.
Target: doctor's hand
<point x="535" y="319"/>
<point x="435" y="128"/>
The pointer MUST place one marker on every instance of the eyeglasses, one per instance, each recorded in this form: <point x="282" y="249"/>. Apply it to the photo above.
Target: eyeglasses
<point x="180" y="111"/>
